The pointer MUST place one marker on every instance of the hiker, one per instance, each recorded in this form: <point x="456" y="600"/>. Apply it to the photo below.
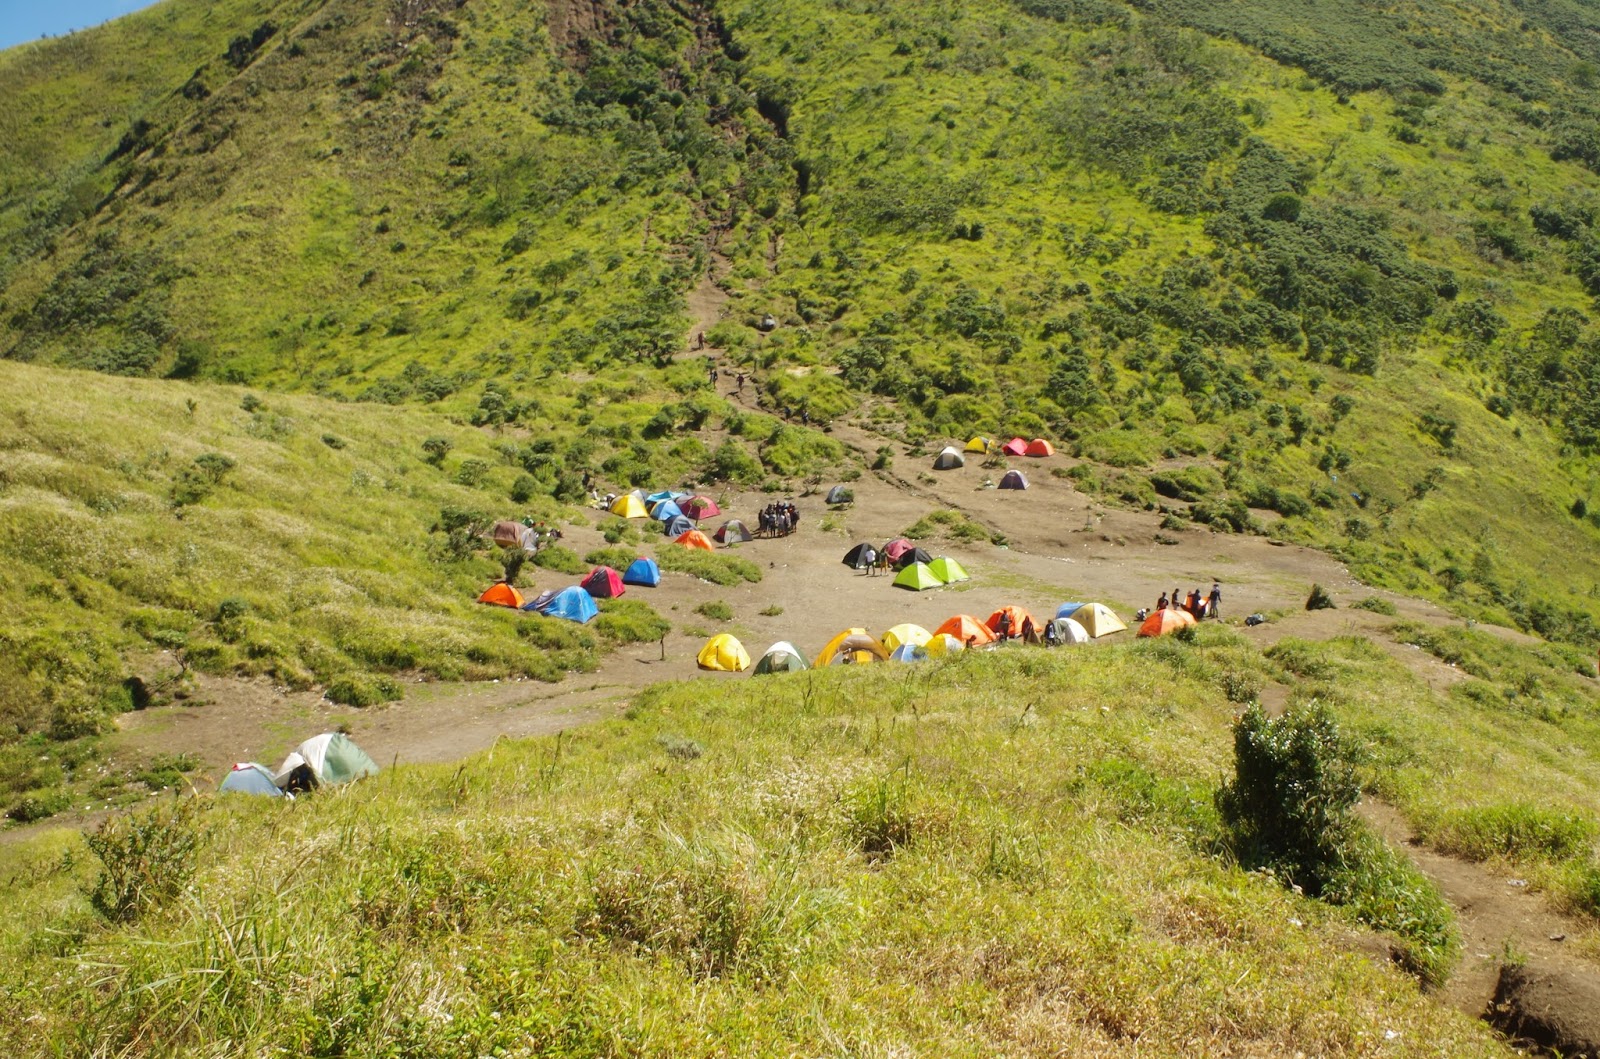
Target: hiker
<point x="1177" y="600"/>
<point x="741" y="382"/>
<point x="1140" y="615"/>
<point x="1161" y="604"/>
<point x="711" y="375"/>
<point x="1191" y="603"/>
<point x="1029" y="633"/>
<point x="1214" y="600"/>
<point x="700" y="340"/>
<point x="870" y="558"/>
<point x="1004" y="631"/>
<point x="805" y="416"/>
<point x="1050" y="634"/>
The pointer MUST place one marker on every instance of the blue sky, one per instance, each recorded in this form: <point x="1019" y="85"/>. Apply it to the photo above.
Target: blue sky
<point x="22" y="20"/>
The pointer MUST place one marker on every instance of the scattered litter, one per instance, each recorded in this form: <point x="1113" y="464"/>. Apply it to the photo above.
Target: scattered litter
<point x="1390" y="1035"/>
<point x="1516" y="882"/>
<point x="1558" y="937"/>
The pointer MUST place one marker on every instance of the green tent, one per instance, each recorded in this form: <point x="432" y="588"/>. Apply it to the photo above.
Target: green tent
<point x="324" y="760"/>
<point x="918" y="576"/>
<point x="782" y="657"/>
<point x="948" y="571"/>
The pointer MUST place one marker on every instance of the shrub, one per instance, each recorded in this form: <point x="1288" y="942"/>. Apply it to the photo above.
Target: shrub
<point x="709" y="566"/>
<point x="146" y="858"/>
<point x="770" y="611"/>
<point x="679" y="747"/>
<point x="195" y="482"/>
<point x="561" y="560"/>
<point x="435" y="449"/>
<point x="362" y="691"/>
<point x="525" y="488"/>
<point x="1518" y="831"/>
<point x="1377" y="605"/>
<point x="879" y="820"/>
<point x="630" y="621"/>
<point x="616" y="558"/>
<point x="38" y="805"/>
<point x="715" y="609"/>
<point x="1319" y="599"/>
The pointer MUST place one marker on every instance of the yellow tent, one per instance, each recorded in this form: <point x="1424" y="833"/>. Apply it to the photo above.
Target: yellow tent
<point x="943" y="644"/>
<point x="1097" y="619"/>
<point x="915" y="635"/>
<point x="724" y="654"/>
<point x="978" y="443"/>
<point x="629" y="506"/>
<point x="852" y="645"/>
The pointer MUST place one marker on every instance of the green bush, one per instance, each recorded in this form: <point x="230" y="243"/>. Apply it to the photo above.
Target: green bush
<point x="362" y="690"/>
<point x="1519" y="831"/>
<point x="1377" y="605"/>
<point x="39" y="805"/>
<point x="561" y="560"/>
<point x="1319" y="599"/>
<point x="617" y="558"/>
<point x="715" y="609"/>
<point x="630" y="621"/>
<point x="146" y="858"/>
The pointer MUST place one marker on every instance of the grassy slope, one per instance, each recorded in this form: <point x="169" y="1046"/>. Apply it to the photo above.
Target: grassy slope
<point x="694" y="872"/>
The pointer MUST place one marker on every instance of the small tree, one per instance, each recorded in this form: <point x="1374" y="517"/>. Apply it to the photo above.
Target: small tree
<point x="435" y="449"/>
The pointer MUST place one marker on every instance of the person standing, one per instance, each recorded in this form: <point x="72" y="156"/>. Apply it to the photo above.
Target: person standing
<point x="1214" y="601"/>
<point x="870" y="557"/>
<point x="1161" y="604"/>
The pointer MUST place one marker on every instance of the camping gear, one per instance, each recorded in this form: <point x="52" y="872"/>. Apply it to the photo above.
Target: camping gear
<point x="907" y="652"/>
<point x="573" y="604"/>
<point x="1097" y="620"/>
<point x="915" y="555"/>
<point x="724" y="654"/>
<point x="852" y="645"/>
<point x="248" y="777"/>
<point x="1013" y="479"/>
<point x="949" y="459"/>
<point x="964" y="627"/>
<point x="906" y="634"/>
<point x="1015" y="447"/>
<point x="917" y="577"/>
<point x="782" y="657"/>
<point x="694" y="539"/>
<point x="501" y="594"/>
<point x="699" y="507"/>
<point x="732" y="532"/>
<point x="856" y="558"/>
<point x="948" y="570"/>
<point x="978" y="443"/>
<point x="1067" y="631"/>
<point x="323" y="760"/>
<point x="1164" y="621"/>
<point x="1040" y="447"/>
<point x="603" y="583"/>
<point x="896" y="548"/>
<point x="665" y="510"/>
<point x="1017" y="619"/>
<point x="508" y="534"/>
<point x="642" y="571"/>
<point x="1256" y="619"/>
<point x="942" y="644"/>
<point x="629" y="506"/>
<point x="839" y="495"/>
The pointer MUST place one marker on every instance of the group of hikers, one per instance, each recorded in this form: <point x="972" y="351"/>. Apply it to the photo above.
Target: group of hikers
<point x="1199" y="606"/>
<point x="778" y="520"/>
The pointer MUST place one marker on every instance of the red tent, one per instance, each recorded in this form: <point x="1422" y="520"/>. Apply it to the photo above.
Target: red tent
<point x="1015" y="447"/>
<point x="699" y="507"/>
<point x="896" y="548"/>
<point x="603" y="583"/>
<point x="694" y="539"/>
<point x="1040" y="447"/>
<point x="1164" y="621"/>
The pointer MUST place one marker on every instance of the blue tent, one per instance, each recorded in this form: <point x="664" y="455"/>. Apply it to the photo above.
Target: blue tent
<point x="642" y="571"/>
<point x="678" y="526"/>
<point x="248" y="777"/>
<point x="1066" y="610"/>
<point x="666" y="511"/>
<point x="573" y="604"/>
<point x="665" y="494"/>
<point x="907" y="652"/>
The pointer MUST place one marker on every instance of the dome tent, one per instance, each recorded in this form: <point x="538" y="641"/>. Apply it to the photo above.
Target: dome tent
<point x="1015" y="447"/>
<point x="914" y="635"/>
<point x="948" y="570"/>
<point x="1013" y="479"/>
<point x="665" y="510"/>
<point x="855" y="558"/>
<point x="629" y="506"/>
<point x="573" y="604"/>
<point x="949" y="459"/>
<point x="782" y="657"/>
<point x="852" y="645"/>
<point x="1040" y="447"/>
<point x="907" y="652"/>
<point x="965" y="627"/>
<point x="839" y="495"/>
<point x="733" y="532"/>
<point x="677" y="527"/>
<point x="699" y="507"/>
<point x="501" y="594"/>
<point x="1097" y="619"/>
<point x="248" y="777"/>
<point x="643" y="572"/>
<point x="1164" y="621"/>
<point x="723" y="654"/>
<point x="603" y="583"/>
<point x="508" y="534"/>
<point x="694" y="539"/>
<point x="1067" y="631"/>
<point x="978" y="443"/>
<point x="917" y="577"/>
<point x="912" y="557"/>
<point x="896" y="548"/>
<point x="327" y="760"/>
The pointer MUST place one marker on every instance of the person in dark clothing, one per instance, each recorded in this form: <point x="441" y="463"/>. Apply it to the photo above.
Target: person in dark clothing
<point x="1161" y="604"/>
<point x="741" y="382"/>
<point x="1004" y="630"/>
<point x="1214" y="601"/>
<point x="1192" y="604"/>
<point x="1177" y="600"/>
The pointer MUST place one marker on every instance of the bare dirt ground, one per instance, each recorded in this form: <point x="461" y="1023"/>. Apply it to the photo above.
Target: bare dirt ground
<point x="1061" y="545"/>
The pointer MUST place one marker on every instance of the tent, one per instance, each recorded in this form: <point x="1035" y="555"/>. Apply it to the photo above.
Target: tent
<point x="1040" y="447"/>
<point x="949" y="459"/>
<point x="1018" y="620"/>
<point x="1097" y="620"/>
<point x="501" y="595"/>
<point x="603" y="583"/>
<point x="665" y="494"/>
<point x="694" y="539"/>
<point x="1067" y="610"/>
<point x="948" y="570"/>
<point x="896" y="548"/>
<point x="1013" y="479"/>
<point x="248" y="777"/>
<point x="908" y="653"/>
<point x="839" y="495"/>
<point x="782" y="657"/>
<point x="965" y="628"/>
<point x="1015" y="447"/>
<point x="1164" y="621"/>
<point x="508" y="534"/>
<point x="732" y="531"/>
<point x="642" y="571"/>
<point x="629" y="506"/>
<point x="573" y="604"/>
<point x="943" y="644"/>
<point x="856" y="558"/>
<point x="915" y="635"/>
<point x="724" y="654"/>
<point x="677" y="527"/>
<point x="978" y="443"/>
<point x="665" y="510"/>
<point x="918" y="578"/>
<point x="915" y="555"/>
<point x="852" y="645"/>
<point x="1068" y="631"/>
<point x="324" y="760"/>
<point x="699" y="507"/>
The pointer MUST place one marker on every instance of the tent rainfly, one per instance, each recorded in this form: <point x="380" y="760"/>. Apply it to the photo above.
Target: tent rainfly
<point x="948" y="570"/>
<point x="629" y="506"/>
<point x="248" y="777"/>
<point x="1013" y="479"/>
<point x="501" y="594"/>
<point x="573" y="604"/>
<point x="724" y="654"/>
<point x="732" y="532"/>
<point x="839" y="495"/>
<point x="324" y="760"/>
<point x="1015" y="447"/>
<point x="978" y="443"/>
<point x="852" y="645"/>
<point x="694" y="539"/>
<point x="1040" y="447"/>
<point x="603" y="583"/>
<point x="949" y="459"/>
<point x="856" y="558"/>
<point x="917" y="577"/>
<point x="782" y="657"/>
<point x="642" y="572"/>
<point x="1097" y="620"/>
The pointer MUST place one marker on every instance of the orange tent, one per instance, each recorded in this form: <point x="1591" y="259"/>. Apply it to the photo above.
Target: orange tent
<point x="1164" y="621"/>
<point x="1019" y="619"/>
<point x="1040" y="447"/>
<point x="694" y="539"/>
<point x="966" y="628"/>
<point x="502" y="595"/>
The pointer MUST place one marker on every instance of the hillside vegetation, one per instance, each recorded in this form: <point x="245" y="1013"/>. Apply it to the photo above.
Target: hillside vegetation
<point x="824" y="861"/>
